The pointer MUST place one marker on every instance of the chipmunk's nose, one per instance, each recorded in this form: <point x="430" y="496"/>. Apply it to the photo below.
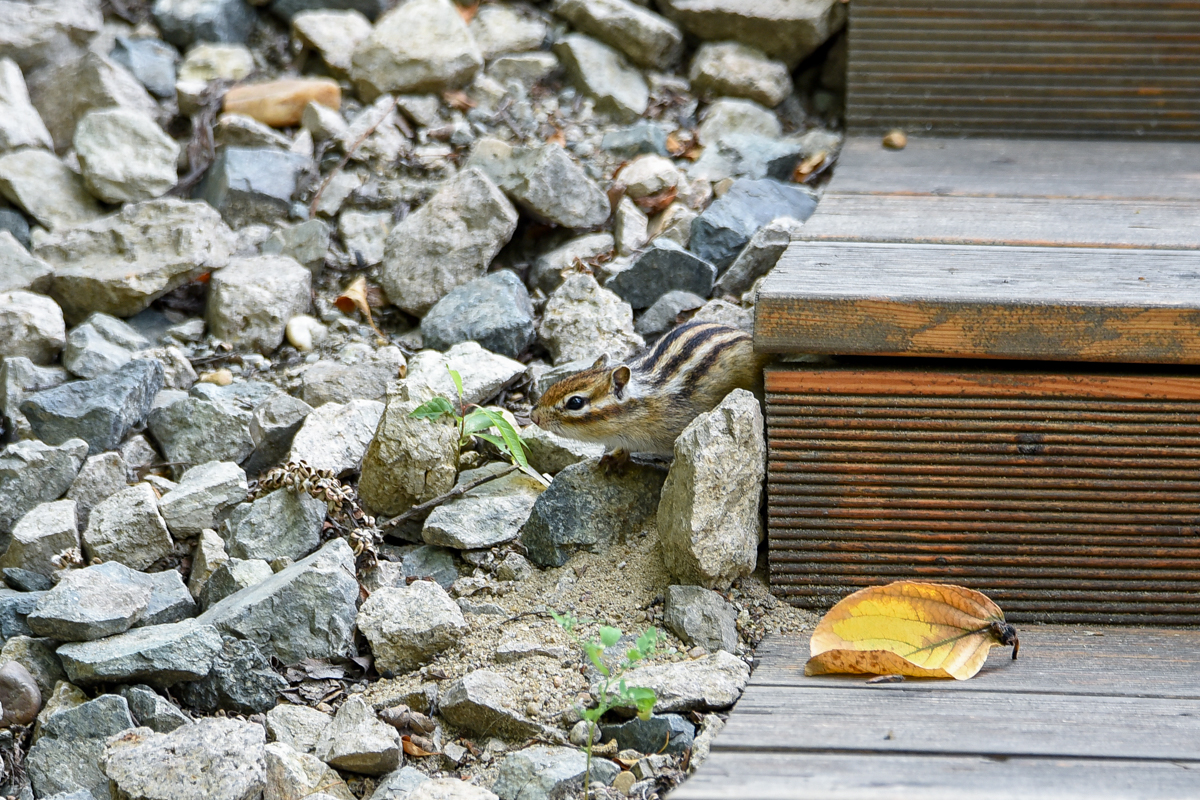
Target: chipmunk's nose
<point x="536" y="416"/>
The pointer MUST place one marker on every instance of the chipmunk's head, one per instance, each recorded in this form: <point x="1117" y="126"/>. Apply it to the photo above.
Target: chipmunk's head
<point x="582" y="399"/>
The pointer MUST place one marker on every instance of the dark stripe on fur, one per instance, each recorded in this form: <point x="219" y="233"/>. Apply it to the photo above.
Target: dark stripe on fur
<point x="659" y="373"/>
<point x="699" y="371"/>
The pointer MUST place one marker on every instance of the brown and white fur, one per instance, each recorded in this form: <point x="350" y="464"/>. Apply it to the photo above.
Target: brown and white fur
<point x="641" y="406"/>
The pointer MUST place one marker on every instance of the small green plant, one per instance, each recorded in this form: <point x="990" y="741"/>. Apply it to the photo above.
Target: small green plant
<point x="613" y="690"/>
<point x="476" y="423"/>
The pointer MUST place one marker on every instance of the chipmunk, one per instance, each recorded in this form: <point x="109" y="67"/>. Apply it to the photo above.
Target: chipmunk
<point x="643" y="405"/>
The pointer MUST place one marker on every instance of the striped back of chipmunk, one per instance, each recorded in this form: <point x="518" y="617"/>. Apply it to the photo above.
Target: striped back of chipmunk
<point x="687" y="359"/>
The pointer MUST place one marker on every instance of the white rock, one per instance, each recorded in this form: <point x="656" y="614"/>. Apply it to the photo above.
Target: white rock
<point x="299" y="727"/>
<point x="20" y="125"/>
<point x="630" y="227"/>
<point x="729" y="116"/>
<point x="251" y="300"/>
<point x="731" y="69"/>
<point x="20" y="271"/>
<point x="216" y="62"/>
<point x="547" y="271"/>
<point x="31" y="325"/>
<point x="36" y="33"/>
<point x="336" y="436"/>
<point x="365" y="233"/>
<point x="649" y="175"/>
<point x="483" y="373"/>
<point x="487" y="515"/>
<point x="125" y="157"/>
<point x="499" y="29"/>
<point x="603" y="73"/>
<point x="50" y="192"/>
<point x="358" y="741"/>
<point x="525" y="68"/>
<point x="303" y="331"/>
<point x="449" y="789"/>
<point x="198" y="500"/>
<point x="208" y="555"/>
<point x="333" y="34"/>
<point x="644" y="37"/>
<point x="408" y="625"/>
<point x="582" y="320"/>
<point x="713" y="682"/>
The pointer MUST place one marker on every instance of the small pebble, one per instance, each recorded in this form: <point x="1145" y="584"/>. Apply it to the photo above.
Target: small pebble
<point x="303" y="332"/>
<point x="895" y="140"/>
<point x="624" y="782"/>
<point x="220" y="377"/>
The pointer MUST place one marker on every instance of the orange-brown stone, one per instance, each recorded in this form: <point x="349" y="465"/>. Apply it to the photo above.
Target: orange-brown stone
<point x="280" y="103"/>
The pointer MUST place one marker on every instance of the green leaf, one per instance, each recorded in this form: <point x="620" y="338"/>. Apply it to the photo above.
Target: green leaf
<point x="644" y="699"/>
<point x="594" y="652"/>
<point x="476" y="421"/>
<point x="647" y="641"/>
<point x="512" y="440"/>
<point x="496" y="440"/>
<point x="454" y="376"/>
<point x="566" y="620"/>
<point x="433" y="409"/>
<point x="609" y="636"/>
<point x="591" y="714"/>
<point x="633" y="655"/>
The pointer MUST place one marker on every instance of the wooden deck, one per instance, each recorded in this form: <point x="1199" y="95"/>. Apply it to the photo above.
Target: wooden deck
<point x="1083" y="713"/>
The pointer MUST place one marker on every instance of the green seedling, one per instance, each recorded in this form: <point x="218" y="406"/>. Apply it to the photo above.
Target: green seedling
<point x="613" y="691"/>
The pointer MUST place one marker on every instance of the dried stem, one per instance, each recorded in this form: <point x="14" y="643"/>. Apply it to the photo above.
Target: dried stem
<point x="457" y="491"/>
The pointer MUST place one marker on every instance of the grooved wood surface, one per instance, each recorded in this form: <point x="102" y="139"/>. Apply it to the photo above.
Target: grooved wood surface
<point x="1084" y="712"/>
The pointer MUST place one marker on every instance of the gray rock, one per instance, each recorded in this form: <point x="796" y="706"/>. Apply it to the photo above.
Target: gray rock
<point x="288" y="9"/>
<point x="307" y="242"/>
<point x="494" y="311"/>
<point x="399" y="784"/>
<point x="251" y="185"/>
<point x="499" y="29"/>
<point x="430" y="563"/>
<point x="713" y="682"/>
<point x="273" y="426"/>
<point x="15" y="607"/>
<point x="195" y="431"/>
<point x="304" y="611"/>
<point x="66" y="757"/>
<point x="208" y="555"/>
<point x="581" y="321"/>
<point x="20" y="271"/>
<point x="485" y="516"/>
<point x="159" y="654"/>
<point x="20" y="125"/>
<point x="299" y="727"/>
<point x="525" y="68"/>
<point x="36" y="655"/>
<point x="45" y="531"/>
<point x="545" y="772"/>
<point x="38" y="32"/>
<point x="749" y="155"/>
<point x="358" y="741"/>
<point x="239" y="130"/>
<point x="19" y="695"/>
<point x="757" y="258"/>
<point x="513" y="648"/>
<point x="364" y="233"/>
<point x="137" y="453"/>
<point x="19" y="375"/>
<point x="662" y="733"/>
<point x="787" y="31"/>
<point x="170" y="600"/>
<point x="709" y="520"/>
<point x="409" y="460"/>
<point x="32" y="472"/>
<point x="584" y="509"/>
<point x="128" y="529"/>
<point x="251" y="300"/>
<point x="644" y="37"/>
<point x="483" y="373"/>
<point x="673" y="224"/>
<point x="483" y="702"/>
<point x="631" y="227"/>
<point x="419" y="46"/>
<point x="14" y="222"/>
<point x="150" y="61"/>
<point x="124" y="156"/>
<point x="547" y="271"/>
<point x="201" y="497"/>
<point x="100" y="411"/>
<point x="230" y="576"/>
<point x="662" y="267"/>
<point x="92" y="603"/>
<point x="124" y="262"/>
<point x="333" y="34"/>
<point x="335" y="437"/>
<point x="408" y="625"/>
<point x="151" y="710"/>
<point x="720" y="233"/>
<point x="214" y="759"/>
<point x="352" y="377"/>
<point x="183" y="22"/>
<point x="280" y="524"/>
<point x="449" y="789"/>
<point x="551" y="453"/>
<point x="100" y="345"/>
<point x="726" y="117"/>
<point x="642" y="137"/>
<point x="24" y="580"/>
<point x="241" y="680"/>
<point x="293" y="774"/>
<point x="604" y="74"/>
<point x="664" y="314"/>
<point x="701" y="617"/>
<point x="425" y="258"/>
<point x="31" y="326"/>
<point x="731" y="69"/>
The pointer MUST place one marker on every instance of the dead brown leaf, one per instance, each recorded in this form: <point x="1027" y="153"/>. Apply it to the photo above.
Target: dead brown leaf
<point x="654" y="203"/>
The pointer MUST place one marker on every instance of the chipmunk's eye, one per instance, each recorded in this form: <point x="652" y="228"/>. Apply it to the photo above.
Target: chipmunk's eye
<point x="575" y="402"/>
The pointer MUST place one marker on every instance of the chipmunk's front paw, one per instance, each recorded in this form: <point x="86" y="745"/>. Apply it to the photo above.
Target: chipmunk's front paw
<point x="616" y="462"/>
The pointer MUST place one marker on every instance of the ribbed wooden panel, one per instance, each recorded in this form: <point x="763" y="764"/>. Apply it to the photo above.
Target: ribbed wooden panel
<point x="1066" y="498"/>
<point x="1025" y="67"/>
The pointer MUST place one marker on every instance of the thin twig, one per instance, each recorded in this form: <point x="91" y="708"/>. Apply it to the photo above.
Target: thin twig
<point x="457" y="491"/>
<point x="312" y="207"/>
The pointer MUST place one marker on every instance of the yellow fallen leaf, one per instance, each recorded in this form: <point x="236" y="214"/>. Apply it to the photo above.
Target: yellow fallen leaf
<point x="925" y="630"/>
<point x="355" y="297"/>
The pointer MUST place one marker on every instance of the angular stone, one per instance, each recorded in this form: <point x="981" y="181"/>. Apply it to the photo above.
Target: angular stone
<point x="545" y="772"/>
<point x="365" y="233"/>
<point x="665" y="313"/>
<point x="644" y="37"/>
<point x="32" y="472"/>
<point x="752" y="155"/>
<point x="101" y="477"/>
<point x="407" y="626"/>
<point x="251" y="300"/>
<point x="151" y="61"/>
<point x="20" y="271"/>
<point x="551" y="453"/>
<point x="713" y="682"/>
<point x="31" y="326"/>
<point x="213" y="759"/>
<point x="673" y="224"/>
<point x="15" y="608"/>
<point x="20" y="125"/>
<point x="124" y="262"/>
<point x="446" y="242"/>
<point x="662" y="733"/>
<point x="292" y="776"/>
<point x="92" y="603"/>
<point x="333" y="34"/>
<point x="291" y="9"/>
<point x="726" y="116"/>
<point x="206" y="558"/>
<point x="499" y="29"/>
<point x="352" y="376"/>
<point x="299" y="727"/>
<point x="170" y="600"/>
<point x="307" y="242"/>
<point x="525" y="68"/>
<point x="701" y="617"/>
<point x="787" y="31"/>
<point x="731" y="69"/>
<point x="304" y="611"/>
<point x="409" y="460"/>
<point x="24" y="580"/>
<point x="160" y="654"/>
<point x="273" y="426"/>
<point x="250" y="185"/>
<point x="581" y="320"/>
<point x="66" y="758"/>
<point x="124" y="156"/>
<point x="18" y="376"/>
<point x="643" y="137"/>
<point x="44" y="532"/>
<point x="662" y="267"/>
<point x="231" y="576"/>
<point x="35" y="33"/>
<point x="757" y="258"/>
<point x="400" y="783"/>
<point x="282" y="524"/>
<point x="37" y="656"/>
<point x="151" y="710"/>
<point x="101" y="411"/>
<point x="709" y="519"/>
<point x="128" y="529"/>
<point x="335" y="437"/>
<point x="604" y="74"/>
<point x="358" y="741"/>
<point x="207" y="62"/>
<point x="279" y="103"/>
<point x="483" y="702"/>
<point x="46" y="189"/>
<point x="494" y="311"/>
<point x="485" y="516"/>
<point x="419" y="46"/>
<point x="446" y="789"/>
<point x="241" y="680"/>
<point x="185" y="21"/>
<point x="630" y="227"/>
<point x="100" y="345"/>
<point x="204" y="492"/>
<point x="195" y="431"/>
<point x="720" y="233"/>
<point x="548" y="269"/>
<point x="483" y="373"/>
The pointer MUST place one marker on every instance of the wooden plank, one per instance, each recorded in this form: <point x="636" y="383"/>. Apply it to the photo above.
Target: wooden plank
<point x="736" y="775"/>
<point x="1072" y="304"/>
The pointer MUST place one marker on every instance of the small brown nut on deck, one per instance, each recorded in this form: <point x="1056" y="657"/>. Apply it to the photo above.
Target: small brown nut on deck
<point x="895" y="140"/>
<point x="280" y="103"/>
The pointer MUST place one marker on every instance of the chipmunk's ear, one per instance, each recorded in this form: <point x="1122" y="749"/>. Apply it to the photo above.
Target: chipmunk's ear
<point x="620" y="377"/>
<point x="601" y="361"/>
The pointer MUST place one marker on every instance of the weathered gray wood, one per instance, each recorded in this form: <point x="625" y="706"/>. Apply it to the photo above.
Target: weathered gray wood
<point x="730" y="775"/>
<point x="1099" y="660"/>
